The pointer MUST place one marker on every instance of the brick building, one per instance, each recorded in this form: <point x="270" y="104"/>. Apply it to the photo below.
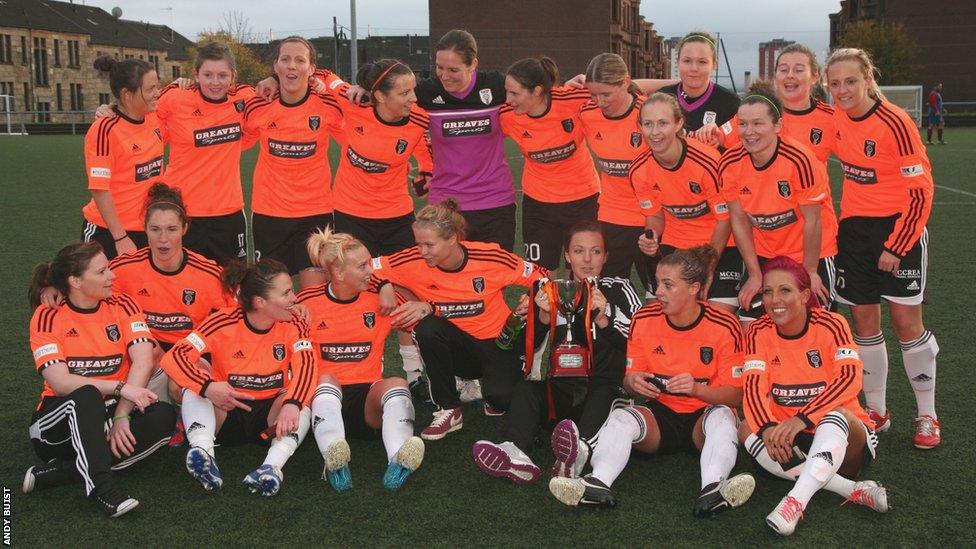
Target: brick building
<point x="47" y="50"/>
<point x="570" y="31"/>
<point x="942" y="30"/>
<point x="767" y="56"/>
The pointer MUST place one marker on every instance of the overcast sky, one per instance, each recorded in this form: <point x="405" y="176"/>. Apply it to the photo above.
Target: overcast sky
<point x="742" y="24"/>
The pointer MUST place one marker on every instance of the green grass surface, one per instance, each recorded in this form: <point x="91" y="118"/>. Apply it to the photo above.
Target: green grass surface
<point x="448" y="501"/>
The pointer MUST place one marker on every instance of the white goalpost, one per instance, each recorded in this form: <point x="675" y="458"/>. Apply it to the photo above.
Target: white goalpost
<point x="909" y="98"/>
<point x="7" y="127"/>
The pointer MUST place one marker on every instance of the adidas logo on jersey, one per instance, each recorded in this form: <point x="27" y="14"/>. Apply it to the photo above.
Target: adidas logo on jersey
<point x="438" y="100"/>
<point x="921" y="378"/>
<point x="196" y="112"/>
<point x="659" y="350"/>
<point x="826" y="456"/>
<point x="913" y="285"/>
<point x="526" y="135"/>
<point x="599" y="136"/>
<point x="144" y="292"/>
<point x="360" y="131"/>
<point x="72" y="333"/>
<point x="322" y="325"/>
<point x="745" y="190"/>
<point x="432" y="287"/>
<point x="135" y="148"/>
<point x="239" y="354"/>
<point x="272" y="126"/>
<point x="775" y="361"/>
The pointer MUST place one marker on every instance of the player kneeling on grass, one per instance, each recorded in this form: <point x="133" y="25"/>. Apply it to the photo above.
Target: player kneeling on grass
<point x="248" y="393"/>
<point x="801" y="378"/>
<point x="685" y="357"/>
<point x="95" y="354"/>
<point x="349" y="331"/>
<point x="588" y="400"/>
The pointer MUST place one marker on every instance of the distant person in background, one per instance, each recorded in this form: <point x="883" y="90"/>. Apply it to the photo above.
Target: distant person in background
<point x="936" y="113"/>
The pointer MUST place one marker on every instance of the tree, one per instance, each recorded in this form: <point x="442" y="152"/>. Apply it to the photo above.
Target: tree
<point x="249" y="69"/>
<point x="891" y="49"/>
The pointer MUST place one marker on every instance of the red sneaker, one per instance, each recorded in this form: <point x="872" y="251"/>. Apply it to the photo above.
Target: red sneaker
<point x="490" y="411"/>
<point x="881" y="422"/>
<point x="444" y="422"/>
<point x="927" y="433"/>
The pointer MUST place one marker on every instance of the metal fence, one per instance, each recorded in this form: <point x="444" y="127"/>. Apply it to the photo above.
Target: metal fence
<point x="44" y="122"/>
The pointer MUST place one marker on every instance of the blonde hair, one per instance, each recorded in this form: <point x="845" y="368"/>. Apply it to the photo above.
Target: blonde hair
<point x="444" y="217"/>
<point x="327" y="248"/>
<point x="701" y="37"/>
<point x="867" y="67"/>
<point x="668" y="100"/>
<point x="610" y="69"/>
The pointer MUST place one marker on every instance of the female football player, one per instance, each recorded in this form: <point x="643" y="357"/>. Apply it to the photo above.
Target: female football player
<point x="883" y="242"/>
<point x="684" y="357"/>
<point x="801" y="378"/>
<point x="461" y="310"/>
<point x="352" y="396"/>
<point x="94" y="351"/>
<point x="702" y="101"/>
<point x="676" y="184"/>
<point x="260" y="380"/>
<point x="292" y="179"/>
<point x="559" y="182"/>
<point x="123" y="156"/>
<point x="585" y="400"/>
<point x="778" y="198"/>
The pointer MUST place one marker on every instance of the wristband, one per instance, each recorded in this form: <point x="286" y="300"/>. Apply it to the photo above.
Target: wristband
<point x="121" y="238"/>
<point x="118" y="389"/>
<point x="117" y="418"/>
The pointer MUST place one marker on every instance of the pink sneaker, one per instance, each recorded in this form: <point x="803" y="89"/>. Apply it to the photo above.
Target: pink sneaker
<point x="785" y="516"/>
<point x="444" y="422"/>
<point x="570" y="454"/>
<point x="928" y="433"/>
<point x="881" y="422"/>
<point x="504" y="460"/>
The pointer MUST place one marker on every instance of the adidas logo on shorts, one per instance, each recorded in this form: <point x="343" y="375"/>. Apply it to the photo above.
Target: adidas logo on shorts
<point x="913" y="285"/>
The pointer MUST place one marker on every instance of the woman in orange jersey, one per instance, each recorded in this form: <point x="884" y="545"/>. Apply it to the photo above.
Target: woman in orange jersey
<point x="883" y="240"/>
<point x="559" y="183"/>
<point x="805" y="119"/>
<point x="461" y="310"/>
<point x="610" y="122"/>
<point x="778" y="198"/>
<point x="372" y="202"/>
<point x="94" y="352"/>
<point x="801" y="378"/>
<point x="292" y="179"/>
<point x="260" y="381"/>
<point x="676" y="184"/>
<point x="123" y="156"/>
<point x="684" y="357"/>
<point x="349" y="330"/>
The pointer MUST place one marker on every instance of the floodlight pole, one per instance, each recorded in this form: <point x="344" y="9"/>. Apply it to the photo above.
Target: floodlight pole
<point x="353" y="46"/>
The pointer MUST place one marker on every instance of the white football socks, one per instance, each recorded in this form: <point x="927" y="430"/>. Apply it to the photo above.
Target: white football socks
<point x="874" y="356"/>
<point x="624" y="428"/>
<point x="757" y="449"/>
<point x="283" y="448"/>
<point x="919" y="358"/>
<point x="398" y="418"/>
<point x="327" y="424"/>
<point x="827" y="453"/>
<point x="199" y="421"/>
<point x="413" y="365"/>
<point x="721" y="445"/>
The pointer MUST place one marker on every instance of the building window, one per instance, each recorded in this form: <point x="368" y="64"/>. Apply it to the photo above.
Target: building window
<point x="40" y="62"/>
<point x="27" y="101"/>
<point x="154" y="61"/>
<point x="57" y="53"/>
<point x="74" y="54"/>
<point x="6" y="56"/>
<point x="43" y="111"/>
<point x="7" y="88"/>
<point x="23" y="51"/>
<point x="615" y="11"/>
<point x="57" y="95"/>
<point x="176" y="72"/>
<point x="127" y="56"/>
<point x="103" y="99"/>
<point x="77" y="101"/>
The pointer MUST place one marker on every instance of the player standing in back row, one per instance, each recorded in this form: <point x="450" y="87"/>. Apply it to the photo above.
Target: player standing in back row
<point x="882" y="239"/>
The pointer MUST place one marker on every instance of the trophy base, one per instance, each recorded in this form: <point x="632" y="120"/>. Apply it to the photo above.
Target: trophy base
<point x="569" y="360"/>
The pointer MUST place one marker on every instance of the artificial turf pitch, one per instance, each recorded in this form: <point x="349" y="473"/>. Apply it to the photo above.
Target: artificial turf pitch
<point x="448" y="502"/>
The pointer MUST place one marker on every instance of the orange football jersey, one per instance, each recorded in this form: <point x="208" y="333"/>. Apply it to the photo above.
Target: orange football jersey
<point x="92" y="343"/>
<point x="292" y="177"/>
<point x="260" y="363"/>
<point x="348" y="337"/>
<point x="886" y="172"/>
<point x="557" y="166"/>
<point x="771" y="196"/>
<point x="806" y="375"/>
<point x="814" y="127"/>
<point x="710" y="349"/>
<point x="688" y="193"/>
<point x="471" y="296"/>
<point x="174" y="303"/>
<point x="615" y="142"/>
<point x="124" y="156"/>
<point x="206" y="138"/>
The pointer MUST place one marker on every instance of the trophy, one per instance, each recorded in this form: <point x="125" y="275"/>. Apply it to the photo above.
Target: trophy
<point x="570" y="298"/>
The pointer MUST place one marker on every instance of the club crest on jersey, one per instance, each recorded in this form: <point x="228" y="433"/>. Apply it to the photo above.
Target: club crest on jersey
<point x="709" y="117"/>
<point x="401" y="146"/>
<point x="314" y="122"/>
<point x="869" y="147"/>
<point x="478" y="283"/>
<point x="784" y="188"/>
<point x="278" y="350"/>
<point x="695" y="187"/>
<point x="635" y="139"/>
<point x="813" y="358"/>
<point x="706" y="354"/>
<point x="239" y="105"/>
<point x="485" y="95"/>
<point x="568" y="125"/>
<point x="113" y="333"/>
<point x="189" y="296"/>
<point x="369" y="319"/>
<point x="816" y="134"/>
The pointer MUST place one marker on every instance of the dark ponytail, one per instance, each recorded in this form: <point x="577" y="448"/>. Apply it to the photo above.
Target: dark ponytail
<point x="380" y="75"/>
<point x="694" y="264"/>
<point x="250" y="281"/>
<point x="532" y="72"/>
<point x="72" y="260"/>
<point x="163" y="197"/>
<point x="123" y="75"/>
<point x="763" y="92"/>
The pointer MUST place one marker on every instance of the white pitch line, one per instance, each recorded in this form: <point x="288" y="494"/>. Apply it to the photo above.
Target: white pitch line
<point x="960" y="191"/>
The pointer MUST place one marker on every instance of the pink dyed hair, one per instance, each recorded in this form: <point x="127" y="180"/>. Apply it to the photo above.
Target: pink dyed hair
<point x="800" y="276"/>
